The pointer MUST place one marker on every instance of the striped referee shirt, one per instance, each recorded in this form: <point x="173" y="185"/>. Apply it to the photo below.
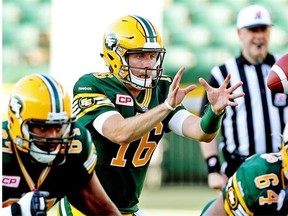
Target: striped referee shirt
<point x="257" y="123"/>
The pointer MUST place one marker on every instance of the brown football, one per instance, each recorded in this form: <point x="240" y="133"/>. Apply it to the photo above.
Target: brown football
<point x="278" y="76"/>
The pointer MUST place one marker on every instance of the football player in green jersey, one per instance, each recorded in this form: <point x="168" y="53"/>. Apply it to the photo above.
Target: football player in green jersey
<point x="46" y="155"/>
<point x="128" y="109"/>
<point x="258" y="187"/>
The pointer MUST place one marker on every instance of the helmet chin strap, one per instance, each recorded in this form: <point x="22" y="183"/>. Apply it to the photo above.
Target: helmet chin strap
<point x="42" y="156"/>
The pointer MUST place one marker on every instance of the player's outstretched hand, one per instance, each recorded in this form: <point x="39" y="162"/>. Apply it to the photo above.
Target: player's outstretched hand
<point x="177" y="94"/>
<point x="222" y="97"/>
<point x="31" y="204"/>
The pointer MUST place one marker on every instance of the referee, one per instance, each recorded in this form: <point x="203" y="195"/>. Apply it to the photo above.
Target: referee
<point x="256" y="124"/>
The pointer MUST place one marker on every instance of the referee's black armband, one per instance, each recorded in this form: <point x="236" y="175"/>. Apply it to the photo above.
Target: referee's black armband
<point x="15" y="209"/>
<point x="213" y="164"/>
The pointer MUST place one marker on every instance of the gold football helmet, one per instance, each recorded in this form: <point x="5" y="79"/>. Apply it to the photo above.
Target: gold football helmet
<point x="132" y="34"/>
<point x="284" y="155"/>
<point x="284" y="151"/>
<point x="40" y="101"/>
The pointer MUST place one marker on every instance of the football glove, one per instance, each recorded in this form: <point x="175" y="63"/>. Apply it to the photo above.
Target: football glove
<point x="31" y="204"/>
<point x="282" y="204"/>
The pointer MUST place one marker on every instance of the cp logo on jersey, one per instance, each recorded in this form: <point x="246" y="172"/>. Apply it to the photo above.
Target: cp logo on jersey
<point x="10" y="181"/>
<point x="125" y="100"/>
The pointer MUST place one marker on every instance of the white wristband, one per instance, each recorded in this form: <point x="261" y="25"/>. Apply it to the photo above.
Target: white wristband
<point x="169" y="106"/>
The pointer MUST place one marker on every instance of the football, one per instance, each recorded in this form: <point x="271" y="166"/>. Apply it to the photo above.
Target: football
<point x="278" y="76"/>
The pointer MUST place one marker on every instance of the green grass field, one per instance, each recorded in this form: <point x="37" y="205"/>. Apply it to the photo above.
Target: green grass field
<point x="180" y="200"/>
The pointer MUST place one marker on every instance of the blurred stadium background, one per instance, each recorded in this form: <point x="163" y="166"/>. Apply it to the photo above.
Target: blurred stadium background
<point x="197" y="34"/>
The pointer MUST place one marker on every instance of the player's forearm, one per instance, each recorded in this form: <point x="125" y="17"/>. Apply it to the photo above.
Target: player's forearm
<point x="93" y="200"/>
<point x="216" y="208"/>
<point x="203" y="129"/>
<point x="127" y="130"/>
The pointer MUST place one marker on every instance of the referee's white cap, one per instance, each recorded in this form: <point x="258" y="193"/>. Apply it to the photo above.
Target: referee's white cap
<point x="253" y="16"/>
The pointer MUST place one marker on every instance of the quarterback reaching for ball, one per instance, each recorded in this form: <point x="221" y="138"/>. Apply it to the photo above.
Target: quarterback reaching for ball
<point x="128" y="109"/>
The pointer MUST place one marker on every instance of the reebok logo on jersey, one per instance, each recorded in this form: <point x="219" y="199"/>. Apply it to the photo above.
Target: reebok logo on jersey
<point x="125" y="100"/>
<point x="10" y="181"/>
<point x="84" y="88"/>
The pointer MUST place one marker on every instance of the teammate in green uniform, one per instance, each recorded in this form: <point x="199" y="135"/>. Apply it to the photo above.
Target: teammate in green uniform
<point x="128" y="109"/>
<point x="258" y="187"/>
<point x="46" y="155"/>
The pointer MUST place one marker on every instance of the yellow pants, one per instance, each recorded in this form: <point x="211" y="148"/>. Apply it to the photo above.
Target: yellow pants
<point x="72" y="210"/>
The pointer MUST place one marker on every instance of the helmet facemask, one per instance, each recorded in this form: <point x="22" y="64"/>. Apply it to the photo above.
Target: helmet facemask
<point x="127" y="76"/>
<point x="42" y="148"/>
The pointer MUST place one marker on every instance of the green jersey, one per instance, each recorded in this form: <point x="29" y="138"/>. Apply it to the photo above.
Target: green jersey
<point x="121" y="169"/>
<point x="255" y="186"/>
<point x="21" y="174"/>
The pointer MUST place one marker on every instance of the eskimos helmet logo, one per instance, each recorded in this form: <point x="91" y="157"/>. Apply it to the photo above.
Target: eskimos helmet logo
<point x="16" y="106"/>
<point x="111" y="41"/>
